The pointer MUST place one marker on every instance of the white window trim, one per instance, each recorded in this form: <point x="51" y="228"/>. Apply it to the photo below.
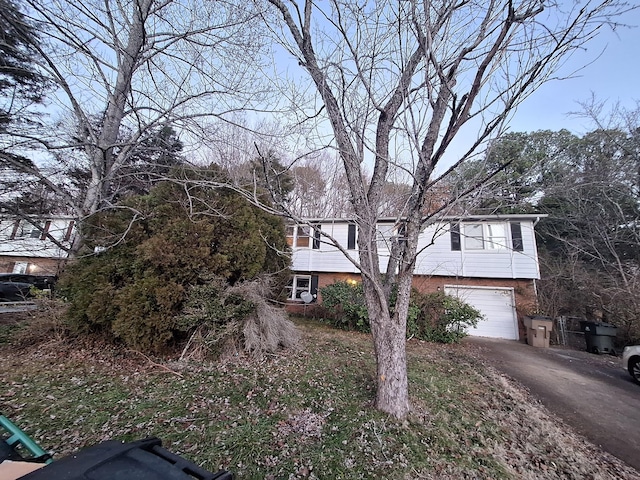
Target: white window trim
<point x="485" y="236"/>
<point x="27" y="230"/>
<point x="294" y="287"/>
<point x="309" y="236"/>
<point x="21" y="267"/>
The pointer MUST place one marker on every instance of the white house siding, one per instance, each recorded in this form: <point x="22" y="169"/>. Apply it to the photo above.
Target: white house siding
<point x="327" y="258"/>
<point x="436" y="256"/>
<point x="34" y="247"/>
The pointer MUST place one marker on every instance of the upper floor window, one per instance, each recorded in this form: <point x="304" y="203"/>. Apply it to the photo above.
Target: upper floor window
<point x="303" y="236"/>
<point x="26" y="229"/>
<point x="486" y="236"/>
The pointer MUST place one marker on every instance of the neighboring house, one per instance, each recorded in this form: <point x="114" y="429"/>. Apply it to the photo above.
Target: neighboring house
<point x="37" y="247"/>
<point x="491" y="262"/>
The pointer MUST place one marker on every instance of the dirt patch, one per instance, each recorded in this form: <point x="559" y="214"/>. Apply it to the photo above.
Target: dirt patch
<point x="15" y="318"/>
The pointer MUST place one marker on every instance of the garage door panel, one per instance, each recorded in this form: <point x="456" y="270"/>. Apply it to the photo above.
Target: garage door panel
<point x="497" y="306"/>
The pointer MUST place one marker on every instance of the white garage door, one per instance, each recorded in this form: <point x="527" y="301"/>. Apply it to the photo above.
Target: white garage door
<point x="497" y="306"/>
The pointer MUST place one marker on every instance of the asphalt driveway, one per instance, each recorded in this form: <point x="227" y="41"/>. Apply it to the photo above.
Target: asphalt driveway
<point x="589" y="392"/>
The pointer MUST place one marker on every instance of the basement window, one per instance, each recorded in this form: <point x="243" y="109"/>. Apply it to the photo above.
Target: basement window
<point x="299" y="284"/>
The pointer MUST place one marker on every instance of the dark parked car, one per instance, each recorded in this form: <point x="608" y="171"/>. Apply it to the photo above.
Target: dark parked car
<point x="15" y="287"/>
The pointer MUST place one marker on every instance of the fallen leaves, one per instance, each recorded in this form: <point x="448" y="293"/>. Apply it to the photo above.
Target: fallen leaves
<point x="307" y="414"/>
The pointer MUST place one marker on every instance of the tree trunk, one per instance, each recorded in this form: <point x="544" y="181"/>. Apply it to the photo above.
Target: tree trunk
<point x="389" y="340"/>
<point x="388" y="332"/>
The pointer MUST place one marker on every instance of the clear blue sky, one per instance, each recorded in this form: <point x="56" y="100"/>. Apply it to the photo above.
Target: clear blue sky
<point x="614" y="77"/>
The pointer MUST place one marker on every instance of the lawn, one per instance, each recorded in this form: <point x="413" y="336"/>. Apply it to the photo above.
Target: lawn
<point x="302" y="414"/>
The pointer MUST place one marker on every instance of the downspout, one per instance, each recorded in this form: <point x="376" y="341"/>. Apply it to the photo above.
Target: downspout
<point x="535" y="281"/>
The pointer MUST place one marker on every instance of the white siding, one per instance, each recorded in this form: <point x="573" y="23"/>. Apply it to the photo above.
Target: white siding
<point x="26" y="246"/>
<point x="435" y="257"/>
<point x="328" y="258"/>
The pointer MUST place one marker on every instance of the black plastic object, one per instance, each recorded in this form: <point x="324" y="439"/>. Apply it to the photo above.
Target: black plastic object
<point x="18" y="446"/>
<point x="599" y="337"/>
<point x="113" y="460"/>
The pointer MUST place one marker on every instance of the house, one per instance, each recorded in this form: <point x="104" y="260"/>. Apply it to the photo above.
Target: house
<point x="37" y="247"/>
<point x="489" y="261"/>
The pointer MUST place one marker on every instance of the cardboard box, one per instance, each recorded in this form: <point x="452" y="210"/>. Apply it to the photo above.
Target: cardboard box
<point x="10" y="470"/>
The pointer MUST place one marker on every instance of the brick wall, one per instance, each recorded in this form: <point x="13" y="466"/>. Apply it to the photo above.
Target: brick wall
<point x="37" y="266"/>
<point x="524" y="291"/>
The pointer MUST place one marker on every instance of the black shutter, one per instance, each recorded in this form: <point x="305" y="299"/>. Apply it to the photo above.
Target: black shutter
<point x="455" y="237"/>
<point x="316" y="237"/>
<point x="67" y="235"/>
<point x="314" y="287"/>
<point x="14" y="232"/>
<point x="351" y="237"/>
<point x="516" y="237"/>
<point x="45" y="230"/>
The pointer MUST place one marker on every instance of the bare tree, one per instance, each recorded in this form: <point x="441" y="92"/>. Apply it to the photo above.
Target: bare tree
<point x="137" y="65"/>
<point x="594" y="223"/>
<point x="398" y="82"/>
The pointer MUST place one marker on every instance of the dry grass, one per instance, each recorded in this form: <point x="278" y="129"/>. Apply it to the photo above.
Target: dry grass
<point x="304" y="414"/>
<point x="264" y="331"/>
<point x="268" y="328"/>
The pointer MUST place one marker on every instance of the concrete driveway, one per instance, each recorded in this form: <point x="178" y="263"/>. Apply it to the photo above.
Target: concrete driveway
<point x="589" y="392"/>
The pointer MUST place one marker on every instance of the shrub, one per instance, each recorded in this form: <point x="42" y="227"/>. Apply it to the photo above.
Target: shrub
<point x="345" y="306"/>
<point x="222" y="318"/>
<point x="434" y="317"/>
<point x="440" y="317"/>
<point x="163" y="247"/>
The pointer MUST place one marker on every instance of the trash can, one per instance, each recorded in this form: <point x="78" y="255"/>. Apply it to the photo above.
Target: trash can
<point x="599" y="337"/>
<point x="538" y="330"/>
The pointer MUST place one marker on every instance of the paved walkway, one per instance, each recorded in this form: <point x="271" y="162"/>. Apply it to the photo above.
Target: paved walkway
<point x="14" y="307"/>
<point x="589" y="392"/>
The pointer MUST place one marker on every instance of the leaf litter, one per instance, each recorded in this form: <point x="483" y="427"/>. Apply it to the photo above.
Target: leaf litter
<point x="307" y="413"/>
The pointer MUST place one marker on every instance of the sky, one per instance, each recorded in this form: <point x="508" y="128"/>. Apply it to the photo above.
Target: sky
<point x="612" y="76"/>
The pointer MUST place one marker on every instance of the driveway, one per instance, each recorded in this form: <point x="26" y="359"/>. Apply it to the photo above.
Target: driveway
<point x="589" y="392"/>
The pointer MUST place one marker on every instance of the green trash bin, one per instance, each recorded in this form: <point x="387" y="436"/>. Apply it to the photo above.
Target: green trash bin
<point x="599" y="337"/>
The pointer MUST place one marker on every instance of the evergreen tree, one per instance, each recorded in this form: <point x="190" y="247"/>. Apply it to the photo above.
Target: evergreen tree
<point x="20" y="81"/>
<point x="155" y="249"/>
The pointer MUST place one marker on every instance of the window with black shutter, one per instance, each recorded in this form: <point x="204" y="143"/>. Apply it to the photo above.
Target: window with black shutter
<point x="67" y="235"/>
<point x="316" y="237"/>
<point x="454" y="230"/>
<point x="516" y="237"/>
<point x="45" y="230"/>
<point x="314" y="287"/>
<point x="351" y="237"/>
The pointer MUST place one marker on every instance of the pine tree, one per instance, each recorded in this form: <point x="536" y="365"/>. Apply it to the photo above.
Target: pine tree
<point x="20" y="81"/>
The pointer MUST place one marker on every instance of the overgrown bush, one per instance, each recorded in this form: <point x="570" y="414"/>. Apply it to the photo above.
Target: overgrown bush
<point x="345" y="307"/>
<point x="163" y="249"/>
<point x="440" y="317"/>
<point x="434" y="317"/>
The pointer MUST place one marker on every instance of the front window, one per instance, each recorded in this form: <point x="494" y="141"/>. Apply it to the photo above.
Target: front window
<point x="298" y="284"/>
<point x="20" y="267"/>
<point x="485" y="236"/>
<point x="298" y="235"/>
<point x="27" y="229"/>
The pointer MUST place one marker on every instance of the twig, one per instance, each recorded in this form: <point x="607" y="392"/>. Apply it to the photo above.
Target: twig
<point x="186" y="347"/>
<point x="156" y="364"/>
